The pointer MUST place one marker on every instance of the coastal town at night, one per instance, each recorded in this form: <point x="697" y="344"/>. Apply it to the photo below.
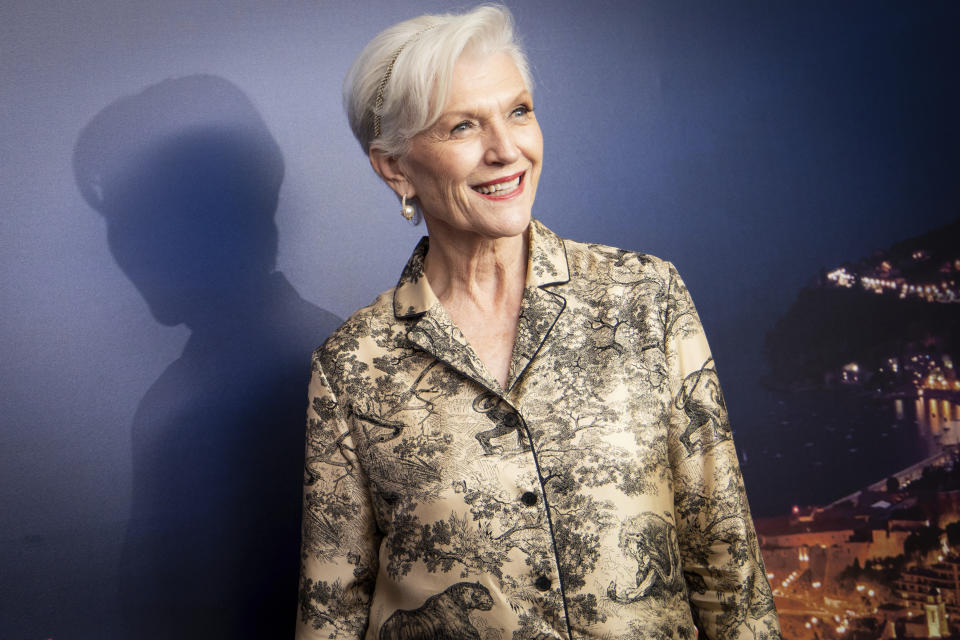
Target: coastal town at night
<point x="882" y="559"/>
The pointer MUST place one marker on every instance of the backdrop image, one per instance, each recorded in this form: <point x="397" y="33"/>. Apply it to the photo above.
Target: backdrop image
<point x="186" y="216"/>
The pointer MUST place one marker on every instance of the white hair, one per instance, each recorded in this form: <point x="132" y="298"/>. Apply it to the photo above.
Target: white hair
<point x="423" y="52"/>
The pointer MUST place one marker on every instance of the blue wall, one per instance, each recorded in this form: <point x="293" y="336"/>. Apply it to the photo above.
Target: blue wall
<point x="749" y="143"/>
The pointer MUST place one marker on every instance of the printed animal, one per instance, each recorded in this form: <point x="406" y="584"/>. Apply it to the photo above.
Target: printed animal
<point x="442" y="616"/>
<point x="701" y="399"/>
<point x="652" y="542"/>
<point x="505" y="419"/>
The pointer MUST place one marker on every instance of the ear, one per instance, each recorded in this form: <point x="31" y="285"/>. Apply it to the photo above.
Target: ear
<point x="390" y="169"/>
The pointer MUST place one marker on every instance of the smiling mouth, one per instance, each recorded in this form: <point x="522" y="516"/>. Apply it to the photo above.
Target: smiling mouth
<point x="501" y="187"/>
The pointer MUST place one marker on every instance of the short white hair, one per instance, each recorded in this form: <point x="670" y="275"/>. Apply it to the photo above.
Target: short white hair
<point x="423" y="52"/>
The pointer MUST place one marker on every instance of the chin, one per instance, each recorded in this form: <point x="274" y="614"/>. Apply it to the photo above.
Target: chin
<point x="501" y="226"/>
<point x="505" y="221"/>
<point x="517" y="224"/>
<point x="518" y="221"/>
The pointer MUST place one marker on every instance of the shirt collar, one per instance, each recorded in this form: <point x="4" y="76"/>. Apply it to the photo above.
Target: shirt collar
<point x="546" y="265"/>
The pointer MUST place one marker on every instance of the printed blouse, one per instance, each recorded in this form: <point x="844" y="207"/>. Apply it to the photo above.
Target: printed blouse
<point x="597" y="495"/>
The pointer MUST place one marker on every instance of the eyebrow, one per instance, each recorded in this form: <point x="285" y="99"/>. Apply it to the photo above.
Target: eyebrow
<point x="523" y="96"/>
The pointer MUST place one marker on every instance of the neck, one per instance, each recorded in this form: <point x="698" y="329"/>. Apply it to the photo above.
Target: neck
<point x="486" y="271"/>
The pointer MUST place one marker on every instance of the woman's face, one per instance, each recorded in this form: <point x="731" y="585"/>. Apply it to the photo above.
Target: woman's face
<point x="476" y="170"/>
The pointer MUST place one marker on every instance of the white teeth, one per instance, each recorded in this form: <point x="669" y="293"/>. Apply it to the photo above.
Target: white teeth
<point x="499" y="187"/>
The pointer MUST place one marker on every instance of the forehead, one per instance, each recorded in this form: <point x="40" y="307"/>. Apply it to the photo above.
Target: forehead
<point x="483" y="80"/>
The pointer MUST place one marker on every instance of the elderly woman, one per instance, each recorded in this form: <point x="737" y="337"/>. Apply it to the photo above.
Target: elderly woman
<point x="525" y="438"/>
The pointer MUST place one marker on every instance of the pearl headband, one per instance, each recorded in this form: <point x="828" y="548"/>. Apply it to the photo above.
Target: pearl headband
<point x="378" y="105"/>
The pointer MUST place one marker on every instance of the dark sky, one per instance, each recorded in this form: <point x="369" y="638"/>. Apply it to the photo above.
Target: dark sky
<point x="754" y="143"/>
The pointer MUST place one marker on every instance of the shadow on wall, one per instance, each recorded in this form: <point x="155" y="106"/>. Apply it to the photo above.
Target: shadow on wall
<point x="187" y="177"/>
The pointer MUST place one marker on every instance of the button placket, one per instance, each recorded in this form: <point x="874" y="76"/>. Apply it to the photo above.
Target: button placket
<point x="542" y="582"/>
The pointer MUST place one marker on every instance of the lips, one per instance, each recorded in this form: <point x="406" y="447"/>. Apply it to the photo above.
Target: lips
<point x="501" y="188"/>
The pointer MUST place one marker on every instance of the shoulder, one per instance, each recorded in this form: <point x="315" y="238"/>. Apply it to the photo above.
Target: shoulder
<point x="597" y="263"/>
<point x="374" y="320"/>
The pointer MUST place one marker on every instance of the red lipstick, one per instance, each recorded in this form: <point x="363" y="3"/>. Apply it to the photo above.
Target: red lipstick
<point x="491" y="191"/>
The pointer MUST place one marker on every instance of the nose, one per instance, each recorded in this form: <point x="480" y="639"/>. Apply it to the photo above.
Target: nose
<point x="502" y="147"/>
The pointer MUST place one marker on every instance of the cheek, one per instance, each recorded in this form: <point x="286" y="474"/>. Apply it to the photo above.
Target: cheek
<point x="457" y="196"/>
<point x="447" y="189"/>
<point x="451" y="177"/>
<point x="434" y="174"/>
<point x="533" y="143"/>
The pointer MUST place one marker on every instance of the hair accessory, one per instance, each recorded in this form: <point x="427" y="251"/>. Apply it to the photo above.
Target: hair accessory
<point x="407" y="210"/>
<point x="378" y="104"/>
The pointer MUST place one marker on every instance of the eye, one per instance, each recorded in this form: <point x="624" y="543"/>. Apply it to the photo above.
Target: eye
<point x="462" y="127"/>
<point x="521" y="111"/>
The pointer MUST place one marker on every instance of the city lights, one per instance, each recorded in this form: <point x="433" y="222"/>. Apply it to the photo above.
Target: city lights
<point x="884" y="559"/>
<point x="842" y="277"/>
<point x="885" y="277"/>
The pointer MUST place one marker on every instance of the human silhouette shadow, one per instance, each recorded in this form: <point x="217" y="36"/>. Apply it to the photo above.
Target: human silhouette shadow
<point x="187" y="177"/>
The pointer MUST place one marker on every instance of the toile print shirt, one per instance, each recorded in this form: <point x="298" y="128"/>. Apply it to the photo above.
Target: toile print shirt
<point x="597" y="495"/>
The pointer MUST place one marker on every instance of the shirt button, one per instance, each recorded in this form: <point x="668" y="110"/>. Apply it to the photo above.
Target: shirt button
<point x="542" y="583"/>
<point x="529" y="498"/>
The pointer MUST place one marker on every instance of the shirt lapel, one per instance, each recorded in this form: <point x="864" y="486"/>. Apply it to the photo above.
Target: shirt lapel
<point x="431" y="329"/>
<point x="541" y="308"/>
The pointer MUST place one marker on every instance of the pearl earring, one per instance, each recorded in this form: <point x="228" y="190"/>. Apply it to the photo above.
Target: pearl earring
<point x="407" y="210"/>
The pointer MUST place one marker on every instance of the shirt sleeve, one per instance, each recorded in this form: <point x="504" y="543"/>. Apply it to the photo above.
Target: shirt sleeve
<point x="726" y="581"/>
<point x="339" y="550"/>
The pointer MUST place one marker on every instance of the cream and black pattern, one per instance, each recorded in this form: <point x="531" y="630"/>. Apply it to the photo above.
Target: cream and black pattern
<point x="596" y="496"/>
